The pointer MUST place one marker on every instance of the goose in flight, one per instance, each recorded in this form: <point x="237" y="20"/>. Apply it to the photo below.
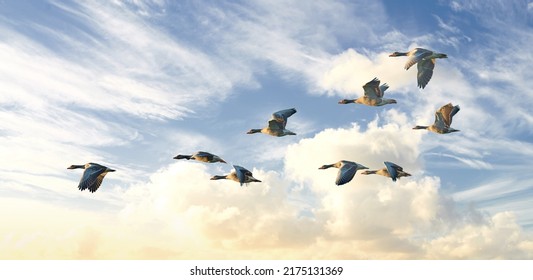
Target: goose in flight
<point x="373" y="95"/>
<point x="240" y="175"/>
<point x="347" y="170"/>
<point x="92" y="176"/>
<point x="391" y="170"/>
<point x="443" y="120"/>
<point x="201" y="156"/>
<point x="426" y="63"/>
<point x="276" y="125"/>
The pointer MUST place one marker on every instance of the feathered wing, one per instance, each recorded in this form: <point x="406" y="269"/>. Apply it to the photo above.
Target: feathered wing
<point x="415" y="56"/>
<point x="99" y="180"/>
<point x="383" y="88"/>
<point x="372" y="89"/>
<point x="282" y="116"/>
<point x="242" y="173"/>
<point x="207" y="155"/>
<point x="448" y="111"/>
<point x="92" y="177"/>
<point x="393" y="170"/>
<point x="439" y="120"/>
<point x="425" y="72"/>
<point x="276" y="125"/>
<point x="346" y="174"/>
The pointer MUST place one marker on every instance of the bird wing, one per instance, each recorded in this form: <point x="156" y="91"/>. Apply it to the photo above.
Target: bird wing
<point x="372" y="89"/>
<point x="439" y="120"/>
<point x="207" y="155"/>
<point x="416" y="56"/>
<point x="346" y="173"/>
<point x="448" y="111"/>
<point x="99" y="180"/>
<point x="283" y="115"/>
<point x="425" y="72"/>
<point x="393" y="170"/>
<point x="242" y="173"/>
<point x="383" y="88"/>
<point x="92" y="177"/>
<point x="276" y="125"/>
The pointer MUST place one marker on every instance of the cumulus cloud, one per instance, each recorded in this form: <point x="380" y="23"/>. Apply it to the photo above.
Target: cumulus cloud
<point x="297" y="212"/>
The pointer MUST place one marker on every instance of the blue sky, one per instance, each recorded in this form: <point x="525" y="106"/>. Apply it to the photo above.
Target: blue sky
<point x="130" y="84"/>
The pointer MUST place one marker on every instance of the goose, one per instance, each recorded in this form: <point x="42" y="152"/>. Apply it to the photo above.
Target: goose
<point x="201" y="156"/>
<point x="276" y="125"/>
<point x="426" y="63"/>
<point x="347" y="170"/>
<point x="391" y="170"/>
<point x="443" y="120"/>
<point x="240" y="175"/>
<point x="373" y="95"/>
<point x="92" y="176"/>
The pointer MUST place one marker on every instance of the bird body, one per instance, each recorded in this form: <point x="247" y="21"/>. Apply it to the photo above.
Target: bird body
<point x="202" y="156"/>
<point x="426" y="63"/>
<point x="92" y="176"/>
<point x="391" y="170"/>
<point x="443" y="120"/>
<point x="276" y="125"/>
<point x="373" y="95"/>
<point x="239" y="174"/>
<point x="347" y="170"/>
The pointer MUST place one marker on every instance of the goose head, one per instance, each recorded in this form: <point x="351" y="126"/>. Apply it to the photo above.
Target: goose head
<point x="397" y="54"/>
<point x="346" y="101"/>
<point x="218" y="177"/>
<point x="253" y="130"/>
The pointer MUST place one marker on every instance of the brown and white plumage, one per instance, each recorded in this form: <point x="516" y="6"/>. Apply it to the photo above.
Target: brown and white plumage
<point x="201" y="156"/>
<point x="373" y="95"/>
<point x="425" y="60"/>
<point x="276" y="125"/>
<point x="92" y="176"/>
<point x="347" y="170"/>
<point x="443" y="120"/>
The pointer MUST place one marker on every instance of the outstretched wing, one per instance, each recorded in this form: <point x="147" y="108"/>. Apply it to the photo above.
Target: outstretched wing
<point x="241" y="173"/>
<point x="383" y="88"/>
<point x="276" y="125"/>
<point x="425" y="72"/>
<point x="416" y="56"/>
<point x="92" y="177"/>
<point x="439" y="120"/>
<point x="372" y="89"/>
<point x="393" y="170"/>
<point x="207" y="155"/>
<point x="283" y="115"/>
<point x="448" y="111"/>
<point x="346" y="173"/>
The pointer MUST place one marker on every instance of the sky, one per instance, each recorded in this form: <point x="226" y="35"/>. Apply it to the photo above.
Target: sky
<point x="131" y="84"/>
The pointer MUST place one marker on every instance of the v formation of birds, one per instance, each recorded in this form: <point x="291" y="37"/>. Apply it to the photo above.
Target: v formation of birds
<point x="94" y="173"/>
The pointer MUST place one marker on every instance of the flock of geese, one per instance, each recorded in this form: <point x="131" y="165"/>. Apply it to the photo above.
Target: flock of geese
<point x="94" y="173"/>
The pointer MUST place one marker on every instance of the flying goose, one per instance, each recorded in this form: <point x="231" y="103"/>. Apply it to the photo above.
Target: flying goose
<point x="426" y="63"/>
<point x="443" y="120"/>
<point x="92" y="176"/>
<point x="347" y="170"/>
<point x="240" y="175"/>
<point x="373" y="95"/>
<point x="201" y="156"/>
<point x="391" y="170"/>
<point x="276" y="125"/>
